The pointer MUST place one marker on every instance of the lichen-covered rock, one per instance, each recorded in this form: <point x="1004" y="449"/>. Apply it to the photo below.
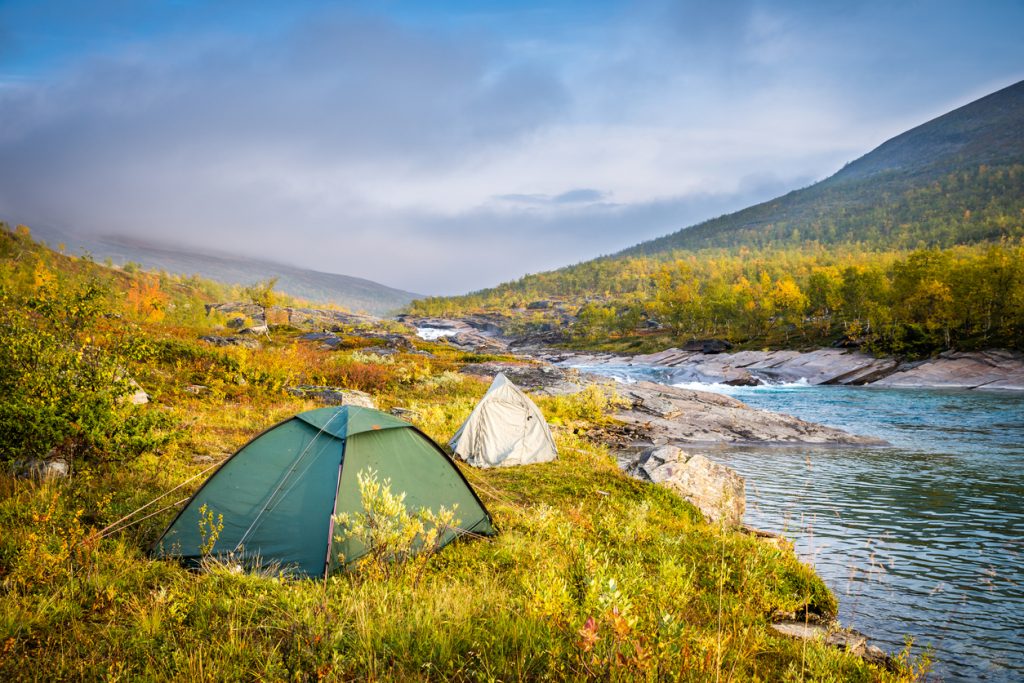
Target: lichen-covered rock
<point x="334" y="396"/>
<point x="218" y="340"/>
<point x="42" y="469"/>
<point x="714" y="489"/>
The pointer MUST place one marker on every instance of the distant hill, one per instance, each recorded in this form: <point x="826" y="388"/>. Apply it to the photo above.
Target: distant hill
<point x="957" y="179"/>
<point x="356" y="294"/>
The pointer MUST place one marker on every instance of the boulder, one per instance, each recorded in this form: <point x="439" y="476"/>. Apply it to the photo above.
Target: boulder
<point x="334" y="395"/>
<point x="139" y="396"/>
<point x="709" y="346"/>
<point x="714" y="489"/>
<point x="42" y="469"/>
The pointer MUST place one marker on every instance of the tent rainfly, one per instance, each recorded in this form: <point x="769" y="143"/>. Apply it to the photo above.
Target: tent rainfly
<point x="505" y="428"/>
<point x="279" y="493"/>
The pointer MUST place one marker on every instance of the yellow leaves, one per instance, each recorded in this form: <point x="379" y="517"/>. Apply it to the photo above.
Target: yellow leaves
<point x="787" y="296"/>
<point x="391" y="535"/>
<point x="42" y="277"/>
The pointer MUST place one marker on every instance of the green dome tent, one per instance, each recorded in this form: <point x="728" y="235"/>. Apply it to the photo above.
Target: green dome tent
<point x="281" y="491"/>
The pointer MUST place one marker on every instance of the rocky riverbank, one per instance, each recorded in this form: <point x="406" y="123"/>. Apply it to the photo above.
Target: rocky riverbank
<point x="707" y="363"/>
<point x="990" y="370"/>
<point x="654" y="414"/>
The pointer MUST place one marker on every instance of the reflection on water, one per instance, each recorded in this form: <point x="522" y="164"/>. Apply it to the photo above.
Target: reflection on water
<point x="923" y="539"/>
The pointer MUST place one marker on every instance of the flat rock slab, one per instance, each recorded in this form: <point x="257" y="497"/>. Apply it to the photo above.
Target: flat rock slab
<point x="997" y="369"/>
<point x="676" y="415"/>
<point x="993" y="369"/>
<point x="832" y="634"/>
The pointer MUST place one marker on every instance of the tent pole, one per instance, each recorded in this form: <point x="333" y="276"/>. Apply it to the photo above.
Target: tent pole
<point x="334" y="506"/>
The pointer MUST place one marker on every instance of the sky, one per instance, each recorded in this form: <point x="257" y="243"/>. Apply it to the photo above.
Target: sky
<point x="442" y="147"/>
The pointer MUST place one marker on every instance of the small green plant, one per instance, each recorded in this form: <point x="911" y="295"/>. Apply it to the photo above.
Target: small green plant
<point x="210" y="526"/>
<point x="395" y="539"/>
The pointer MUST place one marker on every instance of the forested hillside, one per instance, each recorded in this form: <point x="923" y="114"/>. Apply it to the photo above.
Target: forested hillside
<point x="911" y="249"/>
<point x="957" y="179"/>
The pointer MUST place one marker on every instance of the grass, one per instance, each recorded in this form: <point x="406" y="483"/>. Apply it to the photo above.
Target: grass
<point x="593" y="575"/>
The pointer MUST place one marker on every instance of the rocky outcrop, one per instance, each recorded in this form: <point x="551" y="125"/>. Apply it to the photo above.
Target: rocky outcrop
<point x="471" y="334"/>
<point x="389" y="343"/>
<point x="476" y="342"/>
<point x="535" y="377"/>
<point x="302" y="318"/>
<point x="833" y="634"/>
<point x="674" y="415"/>
<point x="334" y="396"/>
<point x="995" y="369"/>
<point x="714" y="489"/>
<point x="218" y="340"/>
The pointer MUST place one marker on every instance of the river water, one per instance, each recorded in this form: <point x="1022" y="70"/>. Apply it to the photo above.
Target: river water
<point x="923" y="539"/>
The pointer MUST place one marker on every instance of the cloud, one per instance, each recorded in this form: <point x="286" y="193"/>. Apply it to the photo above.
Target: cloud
<point x="441" y="152"/>
<point x="582" y="195"/>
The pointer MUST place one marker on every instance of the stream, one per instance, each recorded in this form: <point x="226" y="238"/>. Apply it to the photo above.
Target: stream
<point x="922" y="539"/>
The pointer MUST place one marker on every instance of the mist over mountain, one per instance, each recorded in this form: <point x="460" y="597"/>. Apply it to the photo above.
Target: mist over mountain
<point x="957" y="179"/>
<point x="356" y="294"/>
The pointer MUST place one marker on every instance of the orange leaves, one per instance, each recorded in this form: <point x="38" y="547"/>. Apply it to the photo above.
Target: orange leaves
<point x="146" y="299"/>
<point x="588" y="635"/>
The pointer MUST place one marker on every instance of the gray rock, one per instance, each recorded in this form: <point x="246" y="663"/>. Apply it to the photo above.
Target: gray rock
<point x="218" y="340"/>
<point x="714" y="489"/>
<point x="334" y="395"/>
<point x="674" y="415"/>
<point x="833" y="634"/>
<point x="708" y="346"/>
<point x="378" y="350"/>
<point x="993" y="369"/>
<point x="138" y="396"/>
<point x="42" y="469"/>
<point x="475" y="341"/>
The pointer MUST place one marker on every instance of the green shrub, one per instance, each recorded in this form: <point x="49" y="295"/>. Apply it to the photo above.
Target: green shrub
<point x="63" y="377"/>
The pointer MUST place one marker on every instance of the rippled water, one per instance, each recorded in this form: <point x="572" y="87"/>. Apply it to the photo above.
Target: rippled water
<point x="924" y="539"/>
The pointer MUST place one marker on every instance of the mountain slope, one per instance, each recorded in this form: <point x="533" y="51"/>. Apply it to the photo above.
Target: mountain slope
<point x="956" y="179"/>
<point x="356" y="294"/>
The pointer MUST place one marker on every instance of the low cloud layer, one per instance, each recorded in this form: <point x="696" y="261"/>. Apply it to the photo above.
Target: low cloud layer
<point x="447" y="152"/>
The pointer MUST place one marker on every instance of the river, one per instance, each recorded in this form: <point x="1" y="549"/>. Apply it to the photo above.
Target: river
<point x="923" y="539"/>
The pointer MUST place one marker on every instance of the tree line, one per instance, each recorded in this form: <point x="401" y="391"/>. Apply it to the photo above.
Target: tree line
<point x="905" y="302"/>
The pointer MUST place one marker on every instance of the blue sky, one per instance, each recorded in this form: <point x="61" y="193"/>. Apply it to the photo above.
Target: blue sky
<point x="444" y="147"/>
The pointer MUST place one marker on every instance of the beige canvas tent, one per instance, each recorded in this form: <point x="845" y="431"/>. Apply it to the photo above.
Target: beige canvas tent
<point x="505" y="428"/>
